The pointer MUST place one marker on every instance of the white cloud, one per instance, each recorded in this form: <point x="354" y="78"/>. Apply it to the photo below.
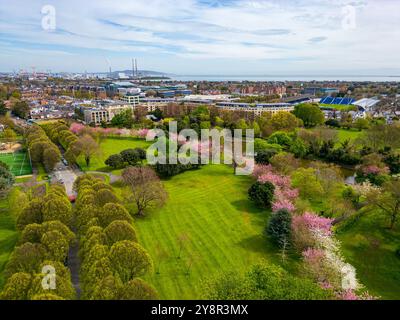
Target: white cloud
<point x="272" y="32"/>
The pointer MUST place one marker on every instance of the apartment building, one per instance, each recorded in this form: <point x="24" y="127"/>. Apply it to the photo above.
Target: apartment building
<point x="257" y="109"/>
<point x="106" y="113"/>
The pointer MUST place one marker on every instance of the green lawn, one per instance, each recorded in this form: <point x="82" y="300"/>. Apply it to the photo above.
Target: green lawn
<point x="223" y="231"/>
<point x="370" y="247"/>
<point x="18" y="163"/>
<point x="8" y="236"/>
<point x="351" y="134"/>
<point x="109" y="146"/>
<point x="339" y="107"/>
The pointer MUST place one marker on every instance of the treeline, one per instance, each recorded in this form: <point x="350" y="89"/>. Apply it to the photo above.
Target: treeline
<point x="112" y="260"/>
<point x="75" y="146"/>
<point x="60" y="134"/>
<point x="42" y="149"/>
<point x="41" y="253"/>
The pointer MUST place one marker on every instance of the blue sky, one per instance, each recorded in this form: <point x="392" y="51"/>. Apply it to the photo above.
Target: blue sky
<point x="229" y="37"/>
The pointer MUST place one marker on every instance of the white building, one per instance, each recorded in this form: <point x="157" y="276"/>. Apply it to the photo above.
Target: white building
<point x="153" y="103"/>
<point x="133" y="100"/>
<point x="105" y="114"/>
<point x="258" y="109"/>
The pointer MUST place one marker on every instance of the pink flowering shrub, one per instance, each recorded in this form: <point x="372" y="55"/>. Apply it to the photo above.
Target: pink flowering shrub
<point x="375" y="170"/>
<point x="76" y="128"/>
<point x="142" y="133"/>
<point x="314" y="222"/>
<point x="313" y="255"/>
<point x="284" y="193"/>
<point x="283" y="205"/>
<point x="304" y="228"/>
<point x="261" y="169"/>
<point x="348" y="295"/>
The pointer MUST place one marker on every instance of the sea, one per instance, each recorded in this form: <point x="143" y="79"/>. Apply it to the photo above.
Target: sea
<point x="305" y="78"/>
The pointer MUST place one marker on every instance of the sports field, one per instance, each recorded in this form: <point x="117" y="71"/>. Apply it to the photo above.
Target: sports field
<point x="18" y="163"/>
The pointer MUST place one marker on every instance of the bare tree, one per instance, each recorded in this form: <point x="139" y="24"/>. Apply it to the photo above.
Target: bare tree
<point x="86" y="146"/>
<point x="146" y="189"/>
<point x="182" y="239"/>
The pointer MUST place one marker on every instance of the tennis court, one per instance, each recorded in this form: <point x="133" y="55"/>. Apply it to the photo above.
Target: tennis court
<point x="18" y="162"/>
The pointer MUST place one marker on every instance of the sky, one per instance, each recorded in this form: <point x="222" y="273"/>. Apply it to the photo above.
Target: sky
<point x="203" y="37"/>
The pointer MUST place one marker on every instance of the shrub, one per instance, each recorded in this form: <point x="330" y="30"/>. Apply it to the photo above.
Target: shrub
<point x="263" y="156"/>
<point x="170" y="170"/>
<point x="115" y="161"/>
<point x="262" y="194"/>
<point x="279" y="227"/>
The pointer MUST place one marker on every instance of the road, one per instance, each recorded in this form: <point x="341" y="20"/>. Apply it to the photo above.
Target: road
<point x="66" y="176"/>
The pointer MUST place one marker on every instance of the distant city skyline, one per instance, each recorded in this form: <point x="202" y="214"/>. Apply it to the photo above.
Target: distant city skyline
<point x="203" y="37"/>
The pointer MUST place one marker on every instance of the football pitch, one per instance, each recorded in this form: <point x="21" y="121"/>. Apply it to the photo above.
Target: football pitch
<point x="18" y="163"/>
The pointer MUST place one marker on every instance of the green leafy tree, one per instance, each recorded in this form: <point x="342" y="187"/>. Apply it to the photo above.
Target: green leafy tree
<point x="264" y="281"/>
<point x="57" y="246"/>
<point x="262" y="194"/>
<point x="298" y="148"/>
<point x="138" y="289"/>
<point x="308" y="184"/>
<point x="310" y="114"/>
<point x="47" y="296"/>
<point x="85" y="146"/>
<point x="280" y="138"/>
<point x="130" y="156"/>
<point x="30" y="214"/>
<point x="32" y="233"/>
<point x="51" y="156"/>
<point x="115" y="161"/>
<point x="279" y="227"/>
<point x="21" y="109"/>
<point x="17" y="287"/>
<point x="57" y="208"/>
<point x="3" y="109"/>
<point x="120" y="230"/>
<point x="387" y="201"/>
<point x="284" y="121"/>
<point x="129" y="260"/>
<point x="26" y="258"/>
<point x="63" y="289"/>
<point x="9" y="136"/>
<point x="112" y="212"/>
<point x="107" y="288"/>
<point x="263" y="156"/>
<point x="105" y="196"/>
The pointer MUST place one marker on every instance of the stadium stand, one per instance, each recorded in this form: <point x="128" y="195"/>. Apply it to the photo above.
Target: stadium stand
<point x="339" y="101"/>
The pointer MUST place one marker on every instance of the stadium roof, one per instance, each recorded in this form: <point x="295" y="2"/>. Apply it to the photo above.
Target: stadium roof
<point x="366" y="102"/>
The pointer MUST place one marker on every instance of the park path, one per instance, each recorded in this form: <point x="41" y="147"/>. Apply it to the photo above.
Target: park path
<point x="74" y="264"/>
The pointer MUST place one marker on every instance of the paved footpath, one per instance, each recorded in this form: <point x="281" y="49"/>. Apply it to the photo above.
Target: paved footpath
<point x="66" y="176"/>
